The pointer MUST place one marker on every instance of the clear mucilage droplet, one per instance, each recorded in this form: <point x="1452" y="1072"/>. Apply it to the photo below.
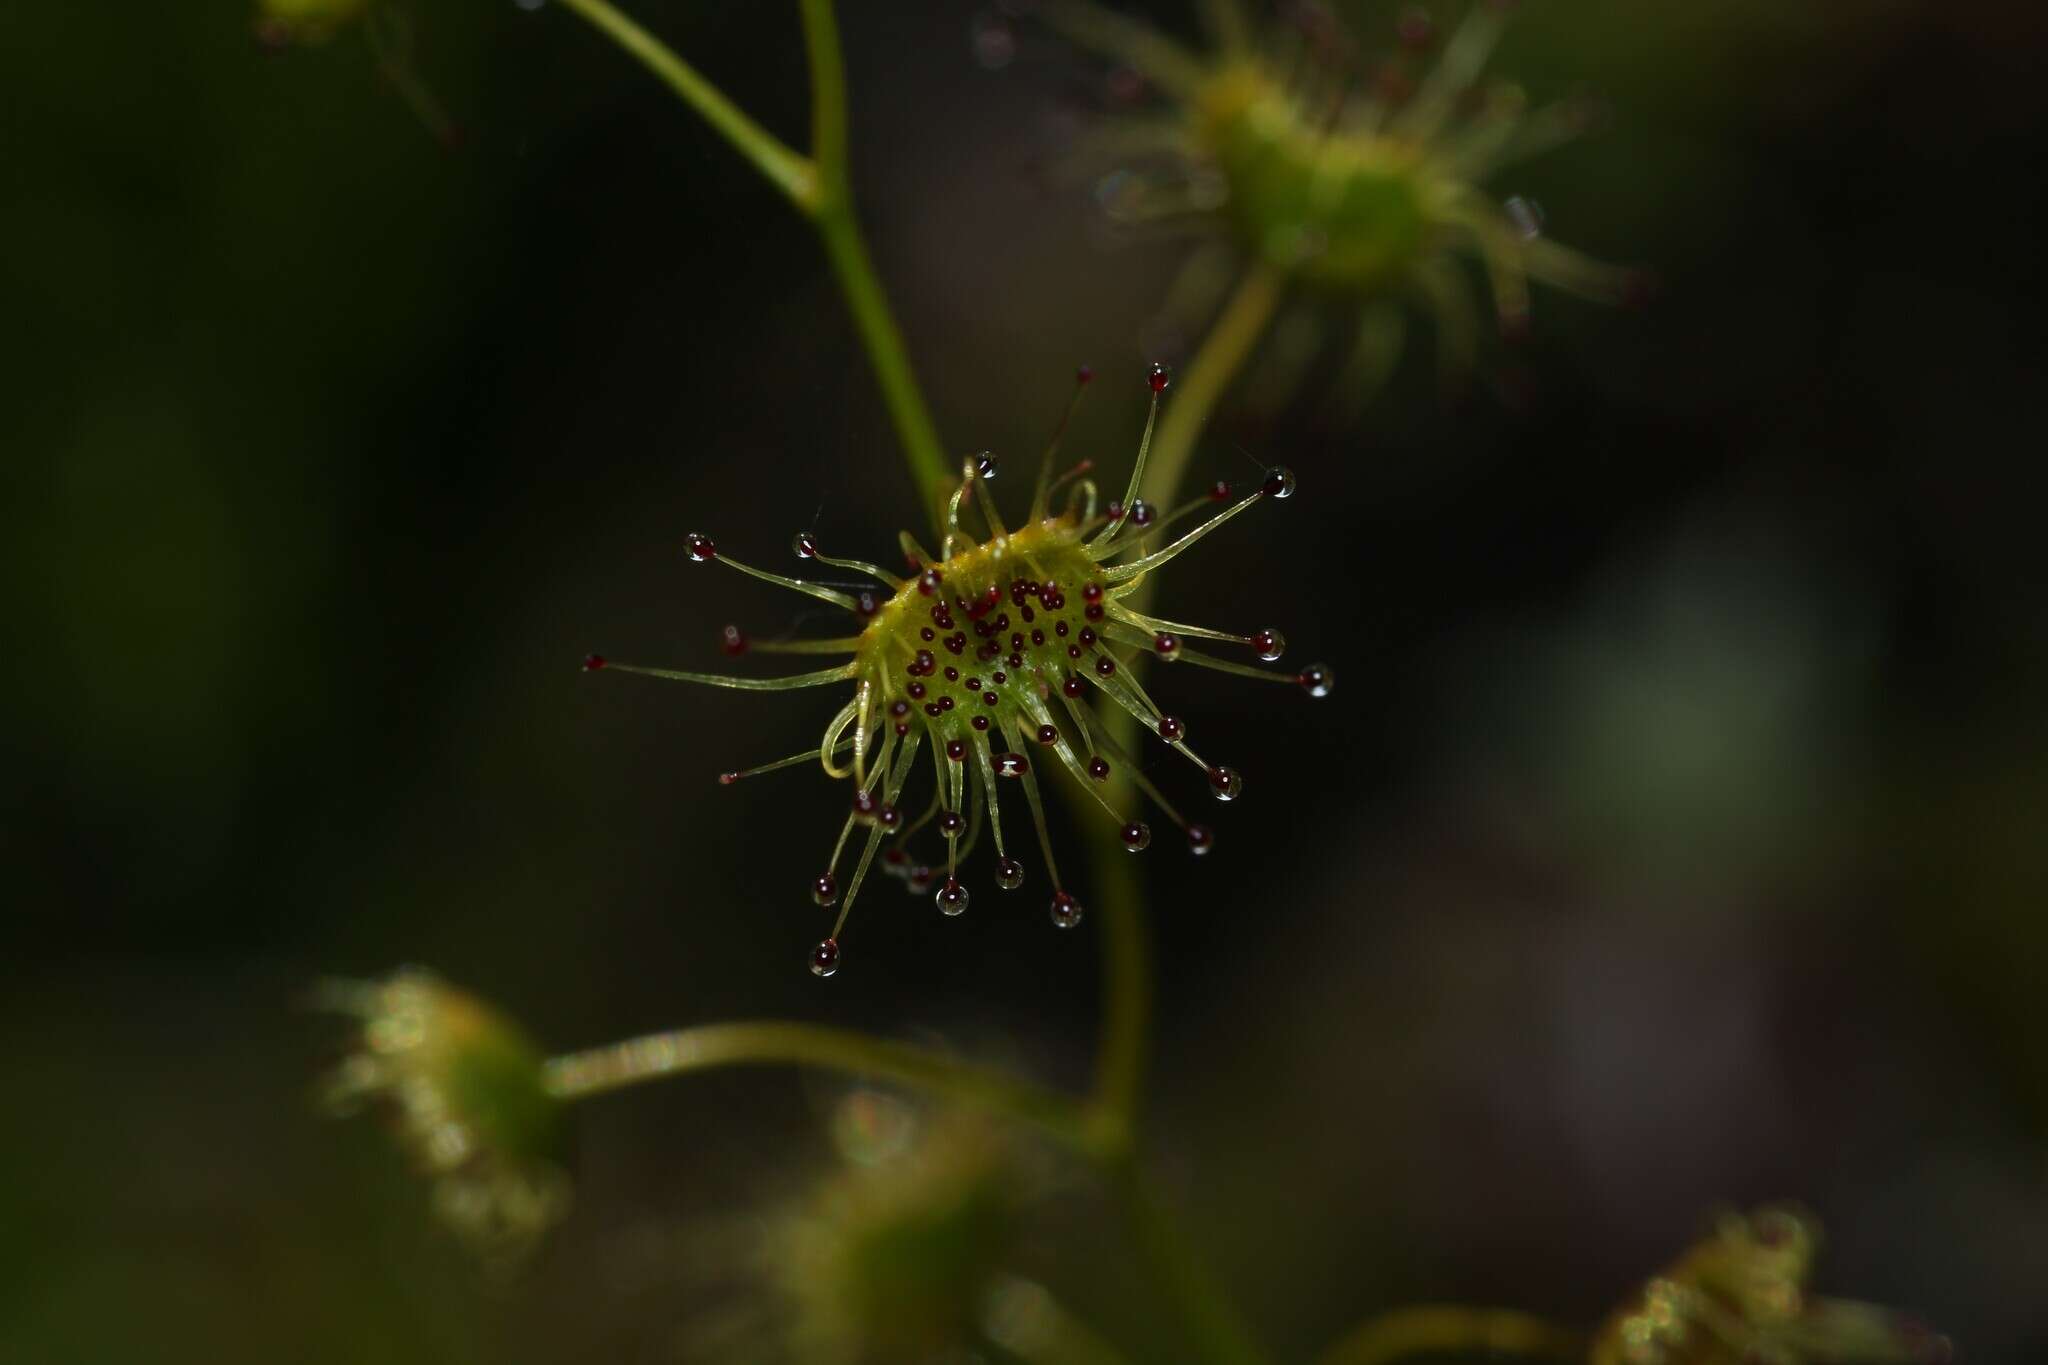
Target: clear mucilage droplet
<point x="952" y="897"/>
<point x="1066" y="911"/>
<point x="1225" y="784"/>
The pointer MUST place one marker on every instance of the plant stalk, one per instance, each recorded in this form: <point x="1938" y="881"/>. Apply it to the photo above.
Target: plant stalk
<point x="820" y="188"/>
<point x="1453" y="1329"/>
<point x="707" y="1047"/>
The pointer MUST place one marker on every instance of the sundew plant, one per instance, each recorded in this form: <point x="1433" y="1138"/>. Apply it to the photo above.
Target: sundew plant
<point x="999" y="651"/>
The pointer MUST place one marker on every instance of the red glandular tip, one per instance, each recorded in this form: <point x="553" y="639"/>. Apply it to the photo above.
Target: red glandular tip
<point x="700" y="548"/>
<point x="593" y="662"/>
<point x="733" y="641"/>
<point x="1084" y="374"/>
<point x="1200" y="839"/>
<point x="825" y="957"/>
<point x="1066" y="911"/>
<point x="1158" y="376"/>
<point x="805" y="545"/>
<point x="1278" y="483"/>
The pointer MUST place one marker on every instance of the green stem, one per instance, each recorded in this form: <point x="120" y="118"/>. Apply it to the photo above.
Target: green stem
<point x="1448" y="1329"/>
<point x="820" y="188"/>
<point x="1213" y="1324"/>
<point x="848" y="253"/>
<point x="785" y="169"/>
<point x="708" y="1047"/>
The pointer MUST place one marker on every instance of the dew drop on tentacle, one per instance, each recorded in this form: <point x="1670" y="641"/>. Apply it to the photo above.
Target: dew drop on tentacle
<point x="1318" y="680"/>
<point x="1142" y="513"/>
<point x="1048" y="735"/>
<point x="825" y="957"/>
<point x="1009" y="874"/>
<point x="1158" y="376"/>
<point x="1166" y="645"/>
<point x="1172" y="729"/>
<point x="1066" y="911"/>
<point x="1137" y="836"/>
<point x="1269" y="645"/>
<point x="805" y="544"/>
<point x="984" y="466"/>
<point x="888" y="817"/>
<point x="1225" y="784"/>
<point x="825" y="889"/>
<point x="733" y="641"/>
<point x="1200" y="839"/>
<point x="956" y="749"/>
<point x="1278" y="483"/>
<point x="1012" y="765"/>
<point x="952" y="897"/>
<point x="700" y="548"/>
<point x="593" y="662"/>
<point x="919" y="879"/>
<point x="1098" y="768"/>
<point x="951" y="823"/>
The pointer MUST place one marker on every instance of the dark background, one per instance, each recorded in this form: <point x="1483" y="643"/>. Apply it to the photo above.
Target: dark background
<point x="1675" y="838"/>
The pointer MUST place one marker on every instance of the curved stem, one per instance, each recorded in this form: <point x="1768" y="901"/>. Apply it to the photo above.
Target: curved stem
<point x="1443" y="1328"/>
<point x="707" y="1047"/>
<point x="820" y="188"/>
<point x="848" y="252"/>
<point x="789" y="172"/>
